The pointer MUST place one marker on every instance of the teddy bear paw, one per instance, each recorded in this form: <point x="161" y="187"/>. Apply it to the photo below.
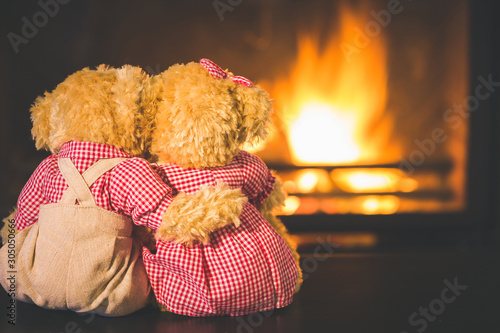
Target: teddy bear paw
<point x="192" y="218"/>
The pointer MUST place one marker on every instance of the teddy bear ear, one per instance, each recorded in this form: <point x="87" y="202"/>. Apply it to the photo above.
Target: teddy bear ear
<point x="132" y="109"/>
<point x="40" y="117"/>
<point x="255" y="108"/>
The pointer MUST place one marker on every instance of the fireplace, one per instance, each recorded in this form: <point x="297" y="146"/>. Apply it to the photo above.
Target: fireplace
<point x="380" y="117"/>
<point x="370" y="119"/>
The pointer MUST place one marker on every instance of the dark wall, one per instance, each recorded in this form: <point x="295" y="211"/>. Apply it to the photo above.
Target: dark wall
<point x="496" y="125"/>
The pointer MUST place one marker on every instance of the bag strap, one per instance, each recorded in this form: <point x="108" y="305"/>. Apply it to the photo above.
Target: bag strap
<point x="79" y="184"/>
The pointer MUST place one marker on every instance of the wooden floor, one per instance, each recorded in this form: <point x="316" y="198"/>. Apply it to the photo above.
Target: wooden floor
<point x="421" y="291"/>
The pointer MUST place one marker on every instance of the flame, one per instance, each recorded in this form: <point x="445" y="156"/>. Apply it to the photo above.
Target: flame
<point x="291" y="204"/>
<point x="307" y="182"/>
<point x="332" y="99"/>
<point x="368" y="181"/>
<point x="374" y="180"/>
<point x="332" y="108"/>
<point x="310" y="180"/>
<point x="320" y="123"/>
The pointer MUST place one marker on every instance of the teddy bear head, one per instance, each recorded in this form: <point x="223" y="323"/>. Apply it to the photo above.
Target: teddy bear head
<point x="113" y="106"/>
<point x="205" y="115"/>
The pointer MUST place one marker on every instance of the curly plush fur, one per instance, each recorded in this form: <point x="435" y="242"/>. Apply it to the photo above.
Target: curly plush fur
<point x="106" y="105"/>
<point x="182" y="116"/>
<point x="202" y="121"/>
<point x="113" y="106"/>
<point x="192" y="218"/>
<point x="118" y="107"/>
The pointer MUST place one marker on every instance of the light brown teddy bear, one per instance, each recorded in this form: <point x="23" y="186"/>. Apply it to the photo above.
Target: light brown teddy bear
<point x="207" y="264"/>
<point x="74" y="248"/>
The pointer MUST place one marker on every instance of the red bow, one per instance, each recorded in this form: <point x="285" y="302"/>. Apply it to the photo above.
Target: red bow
<point x="218" y="73"/>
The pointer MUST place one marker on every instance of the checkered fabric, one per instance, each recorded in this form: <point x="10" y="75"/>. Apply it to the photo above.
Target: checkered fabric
<point x="132" y="188"/>
<point x="218" y="73"/>
<point x="242" y="270"/>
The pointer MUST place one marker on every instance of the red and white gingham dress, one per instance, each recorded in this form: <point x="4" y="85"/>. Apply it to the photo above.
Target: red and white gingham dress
<point x="242" y="270"/>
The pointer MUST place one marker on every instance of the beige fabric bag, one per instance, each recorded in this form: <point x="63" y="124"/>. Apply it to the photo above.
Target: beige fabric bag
<point x="80" y="257"/>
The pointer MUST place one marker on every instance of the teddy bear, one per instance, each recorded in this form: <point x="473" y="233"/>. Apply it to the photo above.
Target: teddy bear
<point x="77" y="244"/>
<point x="207" y="264"/>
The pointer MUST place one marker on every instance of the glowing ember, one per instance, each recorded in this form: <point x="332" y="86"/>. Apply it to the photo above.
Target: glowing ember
<point x="380" y="205"/>
<point x="310" y="180"/>
<point x="307" y="182"/>
<point x="291" y="205"/>
<point x="366" y="180"/>
<point x="370" y="181"/>
<point x="373" y="180"/>
<point x="408" y="185"/>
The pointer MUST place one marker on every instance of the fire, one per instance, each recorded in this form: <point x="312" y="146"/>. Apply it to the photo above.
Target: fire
<point x="335" y="115"/>
<point x="374" y="180"/>
<point x="290" y="206"/>
<point x="367" y="181"/>
<point x="330" y="101"/>
<point x="310" y="180"/>
<point x="380" y="205"/>
<point x="335" y="121"/>
<point x="320" y="123"/>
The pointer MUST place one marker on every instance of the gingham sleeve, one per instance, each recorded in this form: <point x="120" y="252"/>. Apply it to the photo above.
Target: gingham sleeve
<point x="31" y="197"/>
<point x="136" y="190"/>
<point x="259" y="181"/>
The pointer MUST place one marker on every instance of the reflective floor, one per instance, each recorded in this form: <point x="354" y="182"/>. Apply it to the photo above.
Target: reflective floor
<point x="428" y="291"/>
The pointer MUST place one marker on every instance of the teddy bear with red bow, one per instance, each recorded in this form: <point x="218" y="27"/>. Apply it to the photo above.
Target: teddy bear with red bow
<point x="204" y="264"/>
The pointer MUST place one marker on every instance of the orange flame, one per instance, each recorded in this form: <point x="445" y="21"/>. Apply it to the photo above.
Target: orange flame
<point x="331" y="100"/>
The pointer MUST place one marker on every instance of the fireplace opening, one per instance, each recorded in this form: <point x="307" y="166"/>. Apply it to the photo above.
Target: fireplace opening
<point x="371" y="116"/>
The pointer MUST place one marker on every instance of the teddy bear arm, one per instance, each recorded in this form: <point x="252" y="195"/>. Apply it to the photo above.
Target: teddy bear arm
<point x="192" y="218"/>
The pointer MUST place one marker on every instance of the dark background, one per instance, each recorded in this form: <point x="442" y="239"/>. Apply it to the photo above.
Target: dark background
<point x="345" y="292"/>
